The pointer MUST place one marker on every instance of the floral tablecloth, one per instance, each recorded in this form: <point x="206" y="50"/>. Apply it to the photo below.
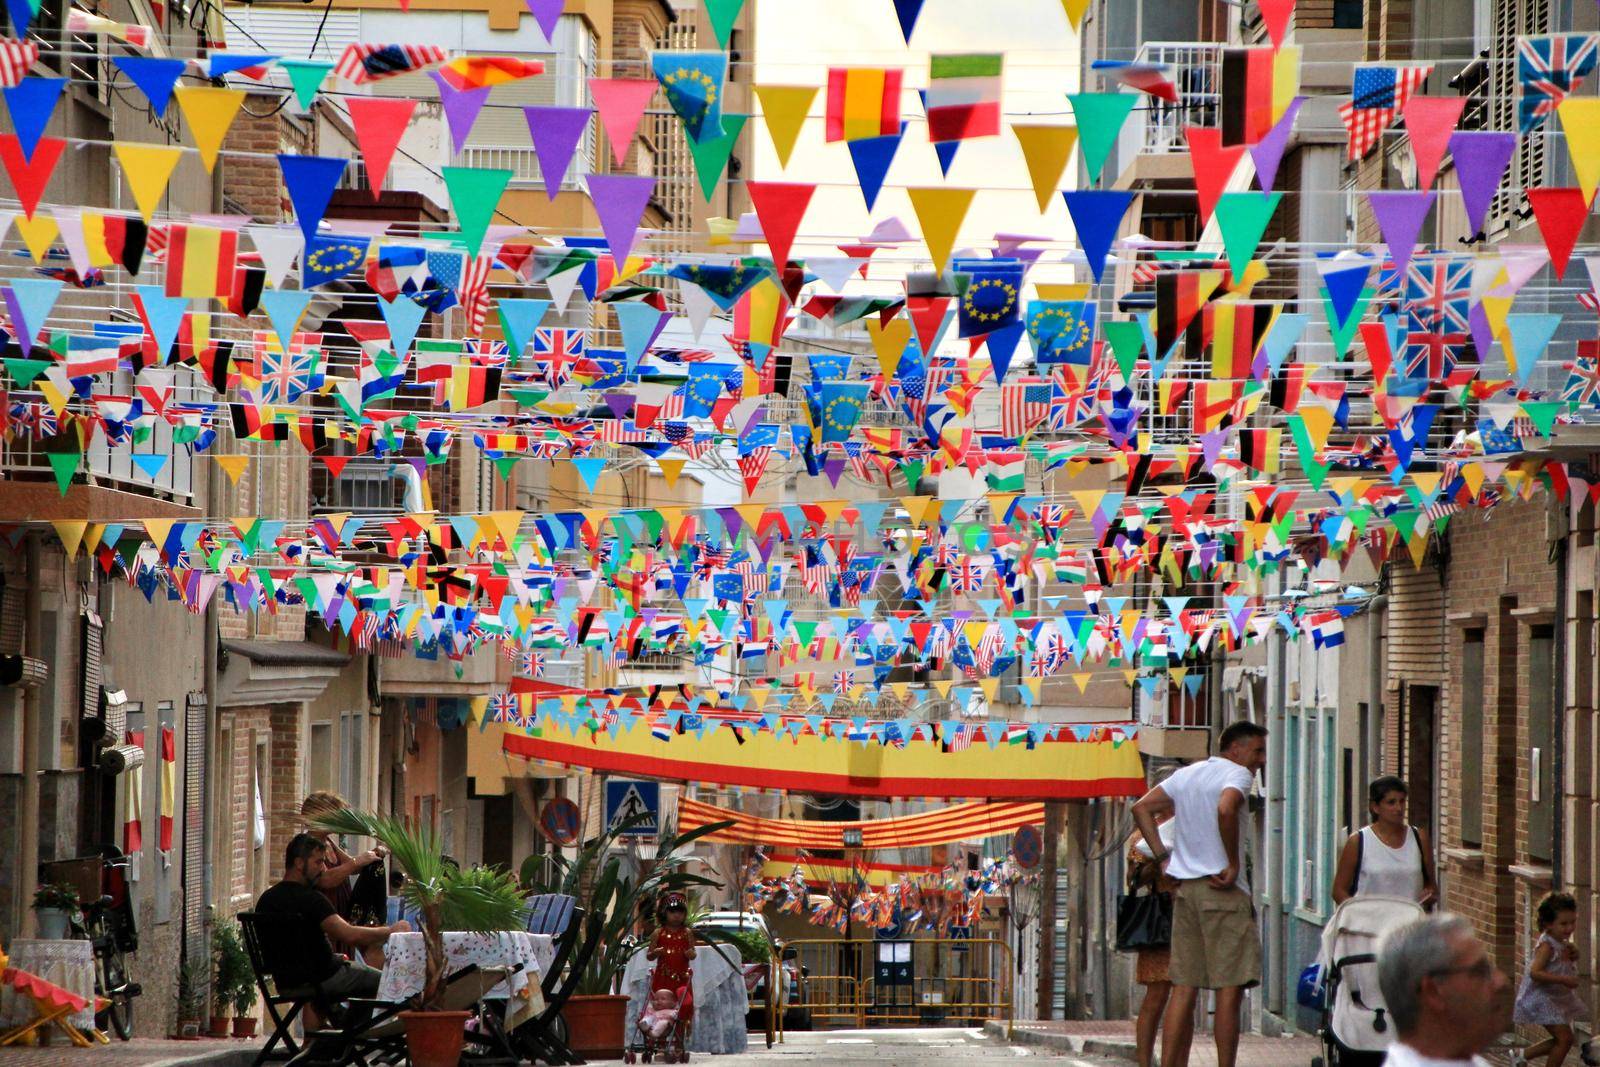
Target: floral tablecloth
<point x="720" y="1001"/>
<point x="405" y="966"/>
<point x="68" y="964"/>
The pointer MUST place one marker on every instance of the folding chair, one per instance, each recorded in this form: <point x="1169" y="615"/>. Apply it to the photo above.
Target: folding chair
<point x="379" y="1036"/>
<point x="544" y="1036"/>
<point x="51" y="1005"/>
<point x="259" y="931"/>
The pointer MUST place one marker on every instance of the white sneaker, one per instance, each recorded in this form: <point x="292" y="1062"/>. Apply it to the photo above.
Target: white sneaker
<point x="1518" y="1059"/>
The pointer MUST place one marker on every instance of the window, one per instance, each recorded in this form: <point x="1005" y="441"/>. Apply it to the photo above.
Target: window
<point x="1513" y="19"/>
<point x="1541" y="737"/>
<point x="1347" y="14"/>
<point x="1471" y="796"/>
<point x="352" y="725"/>
<point x="321" y="756"/>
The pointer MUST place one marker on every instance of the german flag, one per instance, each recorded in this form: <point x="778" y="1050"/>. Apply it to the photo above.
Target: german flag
<point x="201" y="261"/>
<point x="115" y="239"/>
<point x="1237" y="330"/>
<point x="216" y="363"/>
<point x="1258" y="84"/>
<point x="1288" y="387"/>
<point x="1259" y="449"/>
<point x="247" y="285"/>
<point x="1180" y="294"/>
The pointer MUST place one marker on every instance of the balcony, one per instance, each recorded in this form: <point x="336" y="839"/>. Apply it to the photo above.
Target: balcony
<point x="1196" y="69"/>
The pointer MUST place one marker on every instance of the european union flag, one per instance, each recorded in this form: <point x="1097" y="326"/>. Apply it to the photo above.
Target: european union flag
<point x="693" y="83"/>
<point x="839" y="405"/>
<point x="724" y="283"/>
<point x="329" y="258"/>
<point x="1062" y="331"/>
<point x="705" y="386"/>
<point x="993" y="297"/>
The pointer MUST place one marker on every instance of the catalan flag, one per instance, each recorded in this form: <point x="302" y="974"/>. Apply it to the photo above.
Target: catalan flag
<point x="200" y="261"/>
<point x="964" y="96"/>
<point x="1258" y="85"/>
<point x="863" y="102"/>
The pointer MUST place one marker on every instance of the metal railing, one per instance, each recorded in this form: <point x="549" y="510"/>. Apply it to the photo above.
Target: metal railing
<point x="1196" y="69"/>
<point x="857" y="983"/>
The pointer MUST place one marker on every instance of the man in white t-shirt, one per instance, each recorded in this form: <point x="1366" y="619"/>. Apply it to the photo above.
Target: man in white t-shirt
<point x="1215" y="944"/>
<point x="1448" y="1000"/>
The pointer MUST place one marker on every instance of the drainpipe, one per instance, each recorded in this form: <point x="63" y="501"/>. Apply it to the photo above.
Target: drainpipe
<point x="1270" y="882"/>
<point x="1558" y="785"/>
<point x="32" y="754"/>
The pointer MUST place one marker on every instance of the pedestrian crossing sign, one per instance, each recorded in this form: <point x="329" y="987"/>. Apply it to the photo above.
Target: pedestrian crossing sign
<point x="635" y="804"/>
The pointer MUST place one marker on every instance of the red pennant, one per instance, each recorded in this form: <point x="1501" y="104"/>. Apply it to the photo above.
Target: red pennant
<point x="380" y="122"/>
<point x="30" y="176"/>
<point x="927" y="315"/>
<point x="335" y="464"/>
<point x="1213" y="165"/>
<point x="780" y="206"/>
<point x="1560" y="213"/>
<point x="1275" y="13"/>
<point x="1430" y="120"/>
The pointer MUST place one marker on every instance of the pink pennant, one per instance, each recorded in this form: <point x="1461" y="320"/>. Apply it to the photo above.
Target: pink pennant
<point x="621" y="103"/>
<point x="380" y="122"/>
<point x="1430" y="120"/>
<point x="619" y="200"/>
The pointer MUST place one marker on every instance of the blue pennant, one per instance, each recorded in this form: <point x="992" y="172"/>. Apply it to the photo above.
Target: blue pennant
<point x="1097" y="215"/>
<point x="310" y="181"/>
<point x="32" y="101"/>
<point x="872" y="156"/>
<point x="153" y="77"/>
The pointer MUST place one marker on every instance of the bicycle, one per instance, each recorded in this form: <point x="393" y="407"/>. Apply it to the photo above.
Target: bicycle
<point x="105" y="920"/>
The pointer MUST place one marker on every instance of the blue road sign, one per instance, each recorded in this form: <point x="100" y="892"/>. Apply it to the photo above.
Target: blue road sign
<point x="627" y="798"/>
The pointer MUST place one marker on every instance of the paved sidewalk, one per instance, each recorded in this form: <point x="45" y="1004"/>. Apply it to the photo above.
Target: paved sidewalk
<point x="1113" y="1039"/>
<point x="140" y="1052"/>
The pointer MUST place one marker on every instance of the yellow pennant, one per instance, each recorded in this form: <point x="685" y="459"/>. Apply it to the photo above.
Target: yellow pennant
<point x="1318" y="421"/>
<point x="1580" y="119"/>
<point x="1082" y="680"/>
<point x="148" y="168"/>
<point x="233" y="465"/>
<point x="71" y="533"/>
<point x="889" y="341"/>
<point x="1046" y="150"/>
<point x="940" y="212"/>
<point x="784" y="107"/>
<point x="38" y="233"/>
<point x="1075" y="10"/>
<point x="209" y="111"/>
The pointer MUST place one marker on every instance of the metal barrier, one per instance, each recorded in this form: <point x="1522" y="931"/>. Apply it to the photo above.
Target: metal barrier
<point x="859" y="983"/>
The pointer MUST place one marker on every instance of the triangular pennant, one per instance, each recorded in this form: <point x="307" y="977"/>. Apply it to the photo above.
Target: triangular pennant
<point x="619" y="200"/>
<point x="153" y="77"/>
<point x="39" y="234"/>
<point x="64" y="465"/>
<point x="784" y="109"/>
<point x="1400" y="214"/>
<point x="29" y="302"/>
<point x="1075" y="10"/>
<point x="519" y="317"/>
<point x="1430" y="121"/>
<point x="711" y="153"/>
<point x="1560" y="214"/>
<point x="1100" y="117"/>
<point x="210" y="112"/>
<point x="1213" y="164"/>
<point x="147" y="168"/>
<point x="780" y="206"/>
<point x="285" y="308"/>
<point x="31" y="103"/>
<point x="310" y="181"/>
<point x="1242" y="218"/>
<point x="589" y="468"/>
<point x="29" y="177"/>
<point x="872" y="157"/>
<point x="547" y="13"/>
<point x="940" y="212"/>
<point x="1276" y="14"/>
<point x="621" y="103"/>
<point x="1527" y="337"/>
<point x="1481" y="158"/>
<point x="945" y="151"/>
<point x="379" y="122"/>
<point x="461" y="108"/>
<point x="163" y="315"/>
<point x="475" y="195"/>
<point x="906" y="11"/>
<point x="638" y="323"/>
<point x="403" y="316"/>
<point x="1046" y="150"/>
<point x="1127" y="345"/>
<point x="305" y="77"/>
<point x="556" y="132"/>
<point x="149" y="462"/>
<point x="1580" y="121"/>
<point x="723" y="14"/>
<point x="1097" y="216"/>
<point x="1267" y="153"/>
<point x="235" y="466"/>
<point x="277" y="246"/>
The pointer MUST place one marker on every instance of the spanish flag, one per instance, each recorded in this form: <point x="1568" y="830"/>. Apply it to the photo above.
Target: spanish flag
<point x="201" y="261"/>
<point x="863" y="102"/>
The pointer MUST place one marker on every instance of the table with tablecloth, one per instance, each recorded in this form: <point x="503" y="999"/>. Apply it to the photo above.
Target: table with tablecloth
<point x="720" y="1001"/>
<point x="68" y="964"/>
<point x="405" y="965"/>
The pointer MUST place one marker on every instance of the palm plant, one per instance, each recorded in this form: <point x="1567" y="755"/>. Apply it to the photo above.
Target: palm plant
<point x="447" y="897"/>
<point x="616" y="899"/>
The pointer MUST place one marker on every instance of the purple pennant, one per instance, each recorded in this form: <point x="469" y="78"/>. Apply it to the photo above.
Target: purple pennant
<point x="619" y="200"/>
<point x="461" y="107"/>
<point x="1481" y="159"/>
<point x="556" y="132"/>
<point x="620" y="404"/>
<point x="546" y="13"/>
<point x="1400" y="213"/>
<point x="1482" y="332"/>
<point x="1268" y="152"/>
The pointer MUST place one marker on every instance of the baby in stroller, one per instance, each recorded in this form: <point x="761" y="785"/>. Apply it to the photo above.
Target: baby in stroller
<point x="661" y="1014"/>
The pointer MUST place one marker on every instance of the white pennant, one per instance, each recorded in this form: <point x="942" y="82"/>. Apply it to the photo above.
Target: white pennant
<point x="561" y="284"/>
<point x="71" y="223"/>
<point x="1593" y="263"/>
<point x="834" y="271"/>
<point x="698" y="305"/>
<point x="278" y="246"/>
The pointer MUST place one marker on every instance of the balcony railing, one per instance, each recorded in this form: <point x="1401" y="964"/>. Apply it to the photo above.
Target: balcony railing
<point x="1196" y="69"/>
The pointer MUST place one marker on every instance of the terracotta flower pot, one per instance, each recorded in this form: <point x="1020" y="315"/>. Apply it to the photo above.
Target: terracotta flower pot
<point x="434" y="1038"/>
<point x="219" y="1026"/>
<point x="597" y="1025"/>
<point x="244" y="1026"/>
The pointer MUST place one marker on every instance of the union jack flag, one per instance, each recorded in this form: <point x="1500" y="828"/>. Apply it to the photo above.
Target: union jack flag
<point x="488" y="353"/>
<point x="1439" y="293"/>
<point x="1023" y="405"/>
<point x="503" y="707"/>
<point x="843" y="680"/>
<point x="1549" y="69"/>
<point x="1050" y="652"/>
<point x="1583" y="375"/>
<point x="561" y="347"/>
<point x="969" y="574"/>
<point x="285" y="376"/>
<point x="1430" y="354"/>
<point x="1376" y="95"/>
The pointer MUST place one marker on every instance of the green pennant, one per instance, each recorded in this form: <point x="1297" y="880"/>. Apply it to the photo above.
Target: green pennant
<point x="506" y="465"/>
<point x="723" y="14"/>
<point x="306" y="76"/>
<point x="1543" y="414"/>
<point x="1243" y="218"/>
<point x="711" y="154"/>
<point x="1127" y="345"/>
<point x="1344" y="332"/>
<point x="475" y="195"/>
<point x="912" y="470"/>
<point x="24" y="371"/>
<point x="65" y="465"/>
<point x="526" y="398"/>
<point x="1100" y="117"/>
<point x="1405" y="522"/>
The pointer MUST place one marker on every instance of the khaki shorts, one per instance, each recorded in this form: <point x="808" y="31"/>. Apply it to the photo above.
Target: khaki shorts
<point x="1215" y="944"/>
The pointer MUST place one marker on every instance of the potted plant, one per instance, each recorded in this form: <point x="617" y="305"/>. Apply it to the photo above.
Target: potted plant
<point x="447" y="897"/>
<point x="54" y="905"/>
<point x="191" y="1000"/>
<point x="596" y="1013"/>
<point x="241" y="987"/>
<point x="226" y="949"/>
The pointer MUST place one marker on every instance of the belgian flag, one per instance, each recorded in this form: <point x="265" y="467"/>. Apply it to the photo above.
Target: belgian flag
<point x="117" y="239"/>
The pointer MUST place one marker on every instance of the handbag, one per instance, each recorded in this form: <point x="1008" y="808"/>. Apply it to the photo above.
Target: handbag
<point x="1144" y="920"/>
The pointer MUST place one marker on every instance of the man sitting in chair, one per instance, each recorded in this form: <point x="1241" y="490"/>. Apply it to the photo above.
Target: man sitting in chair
<point x="308" y="957"/>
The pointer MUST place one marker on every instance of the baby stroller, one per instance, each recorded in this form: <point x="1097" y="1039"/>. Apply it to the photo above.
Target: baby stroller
<point x="671" y="1045"/>
<point x="1356" y="1028"/>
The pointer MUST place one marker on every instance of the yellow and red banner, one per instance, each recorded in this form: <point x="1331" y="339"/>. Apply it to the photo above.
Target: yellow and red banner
<point x="819" y="872"/>
<point x="959" y="822"/>
<point x="1098" y="762"/>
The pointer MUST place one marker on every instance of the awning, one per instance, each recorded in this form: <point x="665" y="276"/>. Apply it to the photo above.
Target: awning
<point x="960" y="822"/>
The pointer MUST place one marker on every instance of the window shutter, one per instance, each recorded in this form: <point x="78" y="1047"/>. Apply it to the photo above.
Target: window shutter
<point x="93" y="650"/>
<point x="194" y="828"/>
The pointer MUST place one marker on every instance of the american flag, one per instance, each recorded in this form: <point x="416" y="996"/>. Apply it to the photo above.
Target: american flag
<point x="1548" y="70"/>
<point x="958" y="736"/>
<point x="473" y="292"/>
<point x="1376" y="96"/>
<point x="1023" y="406"/>
<point x="16" y="57"/>
<point x="362" y="63"/>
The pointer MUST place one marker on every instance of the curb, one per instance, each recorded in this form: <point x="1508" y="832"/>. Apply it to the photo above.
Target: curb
<point x="1082" y="1046"/>
<point x="239" y="1056"/>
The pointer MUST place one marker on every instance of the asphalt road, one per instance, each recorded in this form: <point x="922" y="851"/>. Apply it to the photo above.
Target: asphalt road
<point x="923" y="1048"/>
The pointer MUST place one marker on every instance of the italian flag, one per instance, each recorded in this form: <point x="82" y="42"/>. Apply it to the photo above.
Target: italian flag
<point x="964" y="96"/>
